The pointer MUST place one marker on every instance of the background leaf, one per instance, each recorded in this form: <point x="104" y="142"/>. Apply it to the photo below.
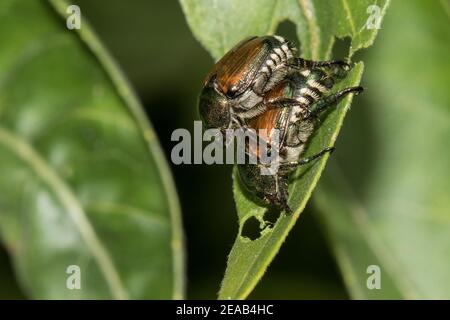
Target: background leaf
<point x="218" y="26"/>
<point x="83" y="179"/>
<point x="388" y="205"/>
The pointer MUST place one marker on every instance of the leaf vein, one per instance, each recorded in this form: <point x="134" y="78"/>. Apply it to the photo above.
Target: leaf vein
<point x="27" y="154"/>
<point x="313" y="26"/>
<point x="349" y="16"/>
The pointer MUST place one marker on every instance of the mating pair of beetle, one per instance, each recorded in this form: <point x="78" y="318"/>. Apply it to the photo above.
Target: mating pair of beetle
<point x="261" y="84"/>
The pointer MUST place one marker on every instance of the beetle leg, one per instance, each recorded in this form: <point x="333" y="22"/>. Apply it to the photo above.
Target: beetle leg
<point x="234" y="123"/>
<point x="300" y="63"/>
<point x="280" y="200"/>
<point x="283" y="103"/>
<point x="309" y="159"/>
<point x="282" y="196"/>
<point x="293" y="140"/>
<point x="296" y="144"/>
<point x="328" y="101"/>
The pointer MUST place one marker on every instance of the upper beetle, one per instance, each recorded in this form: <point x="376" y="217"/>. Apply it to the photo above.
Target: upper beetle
<point x="234" y="88"/>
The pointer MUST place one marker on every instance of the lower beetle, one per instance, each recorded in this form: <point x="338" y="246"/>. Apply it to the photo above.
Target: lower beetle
<point x="296" y="124"/>
<point x="234" y="89"/>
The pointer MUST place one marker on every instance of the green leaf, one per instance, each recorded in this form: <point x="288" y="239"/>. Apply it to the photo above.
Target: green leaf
<point x="221" y="24"/>
<point x="218" y="25"/>
<point x="385" y="198"/>
<point x="84" y="181"/>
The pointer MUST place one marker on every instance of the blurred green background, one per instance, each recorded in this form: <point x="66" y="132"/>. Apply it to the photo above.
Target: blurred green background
<point x="154" y="46"/>
<point x="166" y="65"/>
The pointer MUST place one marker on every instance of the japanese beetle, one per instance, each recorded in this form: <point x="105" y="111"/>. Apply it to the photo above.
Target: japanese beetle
<point x="296" y="124"/>
<point x="234" y="89"/>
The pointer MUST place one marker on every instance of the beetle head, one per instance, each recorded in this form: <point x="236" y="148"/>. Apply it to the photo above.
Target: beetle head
<point x="214" y="109"/>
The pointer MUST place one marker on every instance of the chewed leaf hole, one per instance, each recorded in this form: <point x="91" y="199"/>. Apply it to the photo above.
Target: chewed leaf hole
<point x="341" y="48"/>
<point x="251" y="228"/>
<point x="255" y="226"/>
<point x="271" y="216"/>
<point x="288" y="30"/>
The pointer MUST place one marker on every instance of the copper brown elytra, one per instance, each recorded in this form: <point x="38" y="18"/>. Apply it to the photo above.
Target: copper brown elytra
<point x="234" y="88"/>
